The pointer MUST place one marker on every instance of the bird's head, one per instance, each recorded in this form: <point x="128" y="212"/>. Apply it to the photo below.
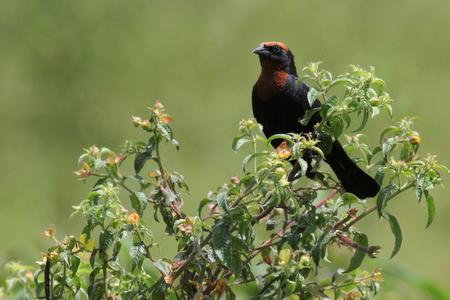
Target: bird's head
<point x="276" y="55"/>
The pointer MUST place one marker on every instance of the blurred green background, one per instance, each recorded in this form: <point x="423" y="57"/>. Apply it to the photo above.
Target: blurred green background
<point x="73" y="72"/>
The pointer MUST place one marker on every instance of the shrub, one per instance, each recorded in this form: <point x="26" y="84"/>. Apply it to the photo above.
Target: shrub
<point x="218" y="249"/>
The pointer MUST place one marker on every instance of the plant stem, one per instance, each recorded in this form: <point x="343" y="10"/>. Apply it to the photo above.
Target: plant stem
<point x="373" y="208"/>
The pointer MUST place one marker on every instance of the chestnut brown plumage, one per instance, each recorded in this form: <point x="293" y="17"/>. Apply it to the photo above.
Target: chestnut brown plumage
<point x="279" y="102"/>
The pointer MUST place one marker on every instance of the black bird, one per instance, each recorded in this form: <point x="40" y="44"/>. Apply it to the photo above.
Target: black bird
<point x="279" y="103"/>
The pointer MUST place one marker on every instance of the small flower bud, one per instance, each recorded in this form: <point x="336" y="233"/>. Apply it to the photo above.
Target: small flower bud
<point x="280" y="172"/>
<point x="234" y="179"/>
<point x="377" y="276"/>
<point x="415" y="139"/>
<point x="168" y="279"/>
<point x="50" y="232"/>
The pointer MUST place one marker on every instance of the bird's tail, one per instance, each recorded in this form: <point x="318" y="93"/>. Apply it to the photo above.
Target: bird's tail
<point x="352" y="178"/>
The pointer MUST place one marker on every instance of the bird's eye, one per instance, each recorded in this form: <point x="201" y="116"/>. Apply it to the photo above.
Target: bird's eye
<point x="276" y="49"/>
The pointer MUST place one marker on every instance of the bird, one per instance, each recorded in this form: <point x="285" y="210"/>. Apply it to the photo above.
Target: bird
<point x="279" y="102"/>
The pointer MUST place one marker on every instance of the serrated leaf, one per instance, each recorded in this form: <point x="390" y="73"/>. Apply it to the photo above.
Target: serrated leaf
<point x="166" y="131"/>
<point x="431" y="208"/>
<point x="221" y="235"/>
<point x="222" y="200"/>
<point x="106" y="239"/>
<point x="136" y="256"/>
<point x="359" y="255"/>
<point x="138" y="202"/>
<point x="159" y="291"/>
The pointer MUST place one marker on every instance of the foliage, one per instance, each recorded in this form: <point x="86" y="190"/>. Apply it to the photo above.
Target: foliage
<point x="219" y="249"/>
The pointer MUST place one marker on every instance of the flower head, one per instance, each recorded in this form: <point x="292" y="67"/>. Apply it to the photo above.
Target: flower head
<point x="50" y="232"/>
<point x="134" y="218"/>
<point x="415" y="139"/>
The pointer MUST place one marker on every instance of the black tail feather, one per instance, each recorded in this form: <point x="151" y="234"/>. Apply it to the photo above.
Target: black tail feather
<point x="352" y="178"/>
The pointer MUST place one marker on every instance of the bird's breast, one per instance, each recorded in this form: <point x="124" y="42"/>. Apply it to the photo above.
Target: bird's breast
<point x="270" y="84"/>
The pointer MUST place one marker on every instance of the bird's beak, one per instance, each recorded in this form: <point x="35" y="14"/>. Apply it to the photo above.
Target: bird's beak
<point x="260" y="50"/>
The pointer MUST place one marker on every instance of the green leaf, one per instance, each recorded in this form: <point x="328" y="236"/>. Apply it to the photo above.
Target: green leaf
<point x="231" y="255"/>
<point x="319" y="250"/>
<point x="221" y="235"/>
<point x="106" y="239"/>
<point x="74" y="264"/>
<point x="431" y="208"/>
<point x="203" y="203"/>
<point x="92" y="258"/>
<point x="140" y="160"/>
<point x="396" y="230"/>
<point x="222" y="200"/>
<point x="138" y="202"/>
<point x="313" y="94"/>
<point x="252" y="156"/>
<point x="136" y="256"/>
<point x="359" y="255"/>
<point x="166" y="131"/>
<point x="349" y="199"/>
<point x="238" y="142"/>
<point x="390" y="129"/>
<point x="384" y="196"/>
<point x="308" y="115"/>
<point x="163" y="266"/>
<point x="159" y="290"/>
<point x="364" y="121"/>
<point x="303" y="166"/>
<point x="280" y="136"/>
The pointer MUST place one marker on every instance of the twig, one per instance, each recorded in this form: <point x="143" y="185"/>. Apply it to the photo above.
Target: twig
<point x="324" y="201"/>
<point x="373" y="208"/>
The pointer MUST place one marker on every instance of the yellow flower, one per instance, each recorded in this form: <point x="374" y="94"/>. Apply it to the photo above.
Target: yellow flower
<point x="283" y="151"/>
<point x="139" y="122"/>
<point x="84" y="172"/>
<point x="376" y="275"/>
<point x="134" y="218"/>
<point x="53" y="255"/>
<point x="415" y="139"/>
